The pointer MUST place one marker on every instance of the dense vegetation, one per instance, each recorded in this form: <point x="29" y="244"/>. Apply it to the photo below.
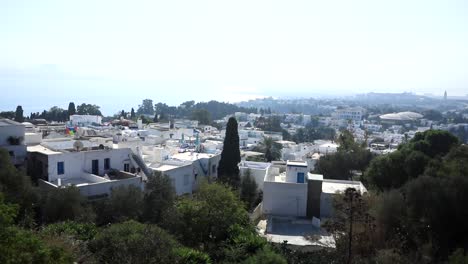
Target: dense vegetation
<point x="350" y="157"/>
<point x="415" y="211"/>
<point x="204" y="112"/>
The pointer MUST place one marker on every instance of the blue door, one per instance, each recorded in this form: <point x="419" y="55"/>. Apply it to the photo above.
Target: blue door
<point x="95" y="167"/>
<point x="300" y="177"/>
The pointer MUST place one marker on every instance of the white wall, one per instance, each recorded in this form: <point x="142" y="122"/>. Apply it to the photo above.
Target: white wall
<point x="258" y="171"/>
<point x="32" y="138"/>
<point x="85" y="119"/>
<point x="257" y="174"/>
<point x="285" y="199"/>
<point x="106" y="187"/>
<point x="19" y="153"/>
<point x="75" y="163"/>
<point x="10" y="131"/>
<point x="292" y="171"/>
<point x="326" y="205"/>
<point x="182" y="178"/>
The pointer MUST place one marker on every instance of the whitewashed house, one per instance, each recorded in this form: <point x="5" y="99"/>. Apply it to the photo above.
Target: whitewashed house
<point x="299" y="193"/>
<point x="12" y="136"/>
<point x="94" y="170"/>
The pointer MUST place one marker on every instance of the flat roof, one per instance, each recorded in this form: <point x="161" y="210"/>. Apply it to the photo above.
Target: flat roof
<point x="251" y="153"/>
<point x="296" y="163"/>
<point x="165" y="167"/>
<point x="192" y="156"/>
<point x="8" y="122"/>
<point x="315" y="177"/>
<point x="41" y="149"/>
<point x="334" y="186"/>
<point x="77" y="181"/>
<point x="282" y="177"/>
<point x="68" y="144"/>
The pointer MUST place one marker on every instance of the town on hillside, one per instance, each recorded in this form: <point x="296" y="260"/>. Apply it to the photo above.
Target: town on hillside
<point x="372" y="178"/>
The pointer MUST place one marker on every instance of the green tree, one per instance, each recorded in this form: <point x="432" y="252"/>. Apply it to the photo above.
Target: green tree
<point x="146" y="107"/>
<point x="125" y="203"/>
<point x="192" y="256"/>
<point x="19" y="114"/>
<point x="18" y="189"/>
<point x="132" y="113"/>
<point x="351" y="225"/>
<point x="73" y="237"/>
<point x="158" y="198"/>
<point x="155" y="119"/>
<point x="346" y="141"/>
<point x="22" y="246"/>
<point x="88" y="109"/>
<point x="433" y="115"/>
<point x="270" y="148"/>
<point x="341" y="164"/>
<point x="162" y="116"/>
<point x="65" y="204"/>
<point x="265" y="256"/>
<point x="248" y="190"/>
<point x="228" y="169"/>
<point x="202" y="116"/>
<point x="71" y="109"/>
<point x="204" y="221"/>
<point x="409" y="161"/>
<point x="8" y="114"/>
<point x="133" y="242"/>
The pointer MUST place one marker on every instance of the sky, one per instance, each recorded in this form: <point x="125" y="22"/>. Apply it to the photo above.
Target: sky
<point x="116" y="53"/>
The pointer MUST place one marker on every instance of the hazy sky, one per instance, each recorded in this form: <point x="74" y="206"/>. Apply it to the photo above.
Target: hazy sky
<point x="115" y="53"/>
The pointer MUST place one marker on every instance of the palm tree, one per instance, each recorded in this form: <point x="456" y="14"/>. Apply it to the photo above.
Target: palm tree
<point x="270" y="148"/>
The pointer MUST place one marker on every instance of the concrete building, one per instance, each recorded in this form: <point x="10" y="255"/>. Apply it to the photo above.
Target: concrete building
<point x="12" y="136"/>
<point x="294" y="204"/>
<point x="84" y="120"/>
<point x="288" y="194"/>
<point x="298" y="193"/>
<point x="185" y="169"/>
<point x="181" y="174"/>
<point x="92" y="169"/>
<point x="351" y="113"/>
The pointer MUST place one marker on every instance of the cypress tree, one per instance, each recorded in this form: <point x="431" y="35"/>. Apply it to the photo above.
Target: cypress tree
<point x="71" y="109"/>
<point x="228" y="169"/>
<point x="19" y="114"/>
<point x="132" y="113"/>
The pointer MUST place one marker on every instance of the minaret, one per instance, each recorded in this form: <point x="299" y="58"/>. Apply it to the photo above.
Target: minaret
<point x="445" y="95"/>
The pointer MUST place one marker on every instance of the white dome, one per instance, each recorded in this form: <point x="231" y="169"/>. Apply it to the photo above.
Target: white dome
<point x="402" y="116"/>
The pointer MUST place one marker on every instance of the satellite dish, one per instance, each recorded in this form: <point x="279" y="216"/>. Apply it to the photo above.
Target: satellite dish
<point x="78" y="145"/>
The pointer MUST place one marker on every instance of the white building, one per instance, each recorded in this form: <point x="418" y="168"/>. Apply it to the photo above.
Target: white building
<point x="92" y="169"/>
<point x="181" y="175"/>
<point x="257" y="171"/>
<point x="12" y="136"/>
<point x="185" y="123"/>
<point x="351" y="113"/>
<point x="84" y="120"/>
<point x="298" y="193"/>
<point x="186" y="169"/>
